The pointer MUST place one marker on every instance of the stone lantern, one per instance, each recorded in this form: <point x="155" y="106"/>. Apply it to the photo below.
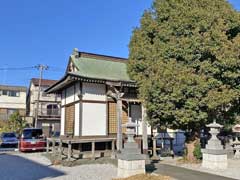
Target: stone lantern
<point x="214" y="156"/>
<point x="236" y="143"/>
<point x="130" y="160"/>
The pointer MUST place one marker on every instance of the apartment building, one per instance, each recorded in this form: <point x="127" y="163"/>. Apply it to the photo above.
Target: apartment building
<point x="48" y="111"/>
<point x="12" y="99"/>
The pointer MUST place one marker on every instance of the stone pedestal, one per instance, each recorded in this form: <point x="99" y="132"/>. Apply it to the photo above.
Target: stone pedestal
<point x="214" y="160"/>
<point x="130" y="168"/>
<point x="214" y="156"/>
<point x="130" y="160"/>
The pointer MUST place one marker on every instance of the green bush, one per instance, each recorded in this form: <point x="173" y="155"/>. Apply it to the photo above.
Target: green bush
<point x="197" y="151"/>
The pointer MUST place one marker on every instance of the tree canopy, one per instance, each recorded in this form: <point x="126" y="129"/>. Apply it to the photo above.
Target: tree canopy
<point x="185" y="58"/>
<point x="15" y="123"/>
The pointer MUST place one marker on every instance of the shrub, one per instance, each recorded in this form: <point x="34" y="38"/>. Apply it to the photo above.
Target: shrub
<point x="197" y="151"/>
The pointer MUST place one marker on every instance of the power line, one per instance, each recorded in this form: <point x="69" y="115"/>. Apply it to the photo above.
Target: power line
<point x="16" y="68"/>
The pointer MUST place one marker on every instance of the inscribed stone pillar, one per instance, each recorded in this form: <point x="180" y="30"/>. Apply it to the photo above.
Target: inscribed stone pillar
<point x="119" y="124"/>
<point x="144" y="131"/>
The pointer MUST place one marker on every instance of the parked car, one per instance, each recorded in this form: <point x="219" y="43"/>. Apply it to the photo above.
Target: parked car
<point x="32" y="139"/>
<point x="9" y="139"/>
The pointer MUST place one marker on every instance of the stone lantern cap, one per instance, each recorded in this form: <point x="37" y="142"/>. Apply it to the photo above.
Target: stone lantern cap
<point x="236" y="128"/>
<point x="214" y="125"/>
<point x="130" y="125"/>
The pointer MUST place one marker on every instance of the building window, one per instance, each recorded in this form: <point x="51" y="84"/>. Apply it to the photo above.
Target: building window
<point x="4" y="92"/>
<point x="52" y="109"/>
<point x="13" y="93"/>
<point x="10" y="93"/>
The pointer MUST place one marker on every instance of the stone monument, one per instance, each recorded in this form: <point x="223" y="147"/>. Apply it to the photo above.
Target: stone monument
<point x="236" y="143"/>
<point x="214" y="156"/>
<point x="130" y="160"/>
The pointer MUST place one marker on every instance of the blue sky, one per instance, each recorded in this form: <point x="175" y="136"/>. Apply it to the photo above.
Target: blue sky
<point x="45" y="32"/>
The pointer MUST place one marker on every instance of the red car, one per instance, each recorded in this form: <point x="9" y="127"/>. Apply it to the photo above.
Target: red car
<point x="32" y="139"/>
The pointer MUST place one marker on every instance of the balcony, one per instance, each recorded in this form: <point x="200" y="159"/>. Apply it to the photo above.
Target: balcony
<point x="49" y="113"/>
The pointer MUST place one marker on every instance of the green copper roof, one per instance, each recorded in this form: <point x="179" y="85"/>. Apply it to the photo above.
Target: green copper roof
<point x="101" y="69"/>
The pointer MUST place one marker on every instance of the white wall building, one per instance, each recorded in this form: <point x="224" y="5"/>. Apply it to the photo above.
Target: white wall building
<point x="48" y="116"/>
<point x="12" y="99"/>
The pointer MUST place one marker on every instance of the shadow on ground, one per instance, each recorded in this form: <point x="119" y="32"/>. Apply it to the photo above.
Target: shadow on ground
<point x="150" y="166"/>
<point x="14" y="167"/>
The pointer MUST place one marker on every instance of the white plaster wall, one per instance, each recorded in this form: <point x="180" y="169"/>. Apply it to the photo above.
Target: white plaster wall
<point x="77" y="120"/>
<point x="94" y="119"/>
<point x="62" y="126"/>
<point x="13" y="102"/>
<point x="63" y="97"/>
<point x="70" y="94"/>
<point x="77" y="91"/>
<point x="92" y="91"/>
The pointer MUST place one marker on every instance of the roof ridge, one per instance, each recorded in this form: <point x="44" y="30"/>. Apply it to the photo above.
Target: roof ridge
<point x="102" y="57"/>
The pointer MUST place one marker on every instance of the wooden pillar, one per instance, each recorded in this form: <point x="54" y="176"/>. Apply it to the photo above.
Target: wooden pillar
<point x="60" y="149"/>
<point x="53" y="146"/>
<point x="113" y="149"/>
<point x="144" y="131"/>
<point x="80" y="147"/>
<point x="69" y="150"/>
<point x="155" y="156"/>
<point x="106" y="145"/>
<point x="47" y="145"/>
<point x="93" y="149"/>
<point x="119" y="125"/>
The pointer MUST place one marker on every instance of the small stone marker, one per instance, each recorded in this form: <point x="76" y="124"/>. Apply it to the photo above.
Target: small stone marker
<point x="214" y="156"/>
<point x="130" y="160"/>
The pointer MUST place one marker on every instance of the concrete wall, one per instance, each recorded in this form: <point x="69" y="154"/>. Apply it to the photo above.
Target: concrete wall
<point x="10" y="102"/>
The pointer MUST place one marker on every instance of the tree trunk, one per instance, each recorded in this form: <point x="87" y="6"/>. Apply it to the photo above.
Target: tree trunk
<point x="190" y="146"/>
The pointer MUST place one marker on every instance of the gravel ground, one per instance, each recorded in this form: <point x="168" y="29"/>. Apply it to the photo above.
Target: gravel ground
<point x="35" y="166"/>
<point x="87" y="172"/>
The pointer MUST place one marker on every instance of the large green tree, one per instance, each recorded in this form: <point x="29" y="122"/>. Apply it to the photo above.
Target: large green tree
<point x="185" y="57"/>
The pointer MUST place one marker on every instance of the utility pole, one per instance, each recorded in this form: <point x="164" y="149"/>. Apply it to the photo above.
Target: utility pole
<point x="40" y="67"/>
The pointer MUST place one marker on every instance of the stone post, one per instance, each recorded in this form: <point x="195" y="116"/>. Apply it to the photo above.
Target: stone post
<point x="119" y="124"/>
<point x="144" y="131"/>
<point x="69" y="150"/>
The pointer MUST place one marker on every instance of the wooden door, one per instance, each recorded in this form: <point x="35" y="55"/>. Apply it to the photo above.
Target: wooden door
<point x="69" y="119"/>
